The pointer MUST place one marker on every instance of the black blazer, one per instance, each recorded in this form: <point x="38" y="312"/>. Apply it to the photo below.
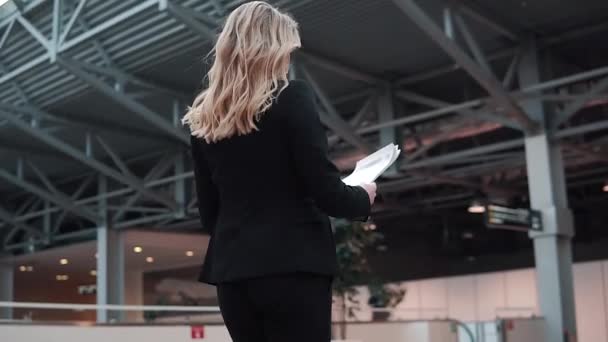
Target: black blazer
<point x="265" y="197"/>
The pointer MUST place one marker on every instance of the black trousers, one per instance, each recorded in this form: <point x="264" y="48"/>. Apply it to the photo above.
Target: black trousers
<point x="287" y="308"/>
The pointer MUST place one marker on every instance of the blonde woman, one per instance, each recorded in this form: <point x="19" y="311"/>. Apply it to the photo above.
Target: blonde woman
<point x="265" y="185"/>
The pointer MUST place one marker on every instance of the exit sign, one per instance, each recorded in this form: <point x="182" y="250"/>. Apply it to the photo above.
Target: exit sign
<point x="521" y="219"/>
<point x="197" y="332"/>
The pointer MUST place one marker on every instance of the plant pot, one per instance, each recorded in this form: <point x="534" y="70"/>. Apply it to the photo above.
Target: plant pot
<point x="380" y="316"/>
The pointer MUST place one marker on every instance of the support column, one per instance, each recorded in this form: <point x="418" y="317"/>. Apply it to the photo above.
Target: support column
<point x="547" y="186"/>
<point x="134" y="294"/>
<point x="110" y="264"/>
<point x="7" y="279"/>
<point x="388" y="135"/>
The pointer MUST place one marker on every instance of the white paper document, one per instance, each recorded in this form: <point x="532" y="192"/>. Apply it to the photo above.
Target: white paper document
<point x="371" y="167"/>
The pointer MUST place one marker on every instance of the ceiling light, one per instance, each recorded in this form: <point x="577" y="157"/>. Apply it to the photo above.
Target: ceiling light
<point x="189" y="253"/>
<point x="63" y="261"/>
<point x="605" y="188"/>
<point x="370" y="226"/>
<point x="477" y="207"/>
<point x="150" y="259"/>
<point x="61" y="277"/>
<point x="138" y="249"/>
<point x="93" y="273"/>
<point x="22" y="268"/>
<point x="29" y="268"/>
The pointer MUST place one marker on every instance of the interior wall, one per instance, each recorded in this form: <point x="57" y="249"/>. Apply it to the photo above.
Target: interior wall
<point x="510" y="294"/>
<point x="54" y="291"/>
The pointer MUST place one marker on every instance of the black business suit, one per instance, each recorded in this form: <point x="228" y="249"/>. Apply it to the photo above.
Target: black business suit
<point x="265" y="198"/>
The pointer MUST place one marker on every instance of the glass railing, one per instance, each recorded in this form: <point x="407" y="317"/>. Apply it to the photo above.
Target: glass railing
<point x="20" y="321"/>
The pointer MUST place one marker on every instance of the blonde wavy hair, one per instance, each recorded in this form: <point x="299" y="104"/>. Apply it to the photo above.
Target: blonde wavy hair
<point x="250" y="67"/>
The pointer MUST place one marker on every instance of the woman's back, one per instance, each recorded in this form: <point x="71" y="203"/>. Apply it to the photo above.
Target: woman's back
<point x="268" y="220"/>
<point x="265" y="185"/>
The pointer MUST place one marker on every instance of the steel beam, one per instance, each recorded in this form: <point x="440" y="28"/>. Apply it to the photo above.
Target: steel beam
<point x="473" y="45"/>
<point x="34" y="32"/>
<point x="70" y="24"/>
<point x="340" y="68"/>
<point x="134" y="106"/>
<point x="184" y="16"/>
<point x="56" y="25"/>
<point x="478" y="185"/>
<point x="9" y="218"/>
<point x="545" y="42"/>
<point x="332" y="119"/>
<point x="115" y="158"/>
<point x="83" y="186"/>
<point x="422" y="150"/>
<point x="485" y="19"/>
<point x="6" y="33"/>
<point x="55" y="197"/>
<point x="409" y="96"/>
<point x="90" y="124"/>
<point x="448" y="22"/>
<point x="578" y="104"/>
<point x="118" y="74"/>
<point x="487" y="81"/>
<point x="507" y="80"/>
<point x="56" y="143"/>
<point x="123" y="16"/>
<point x="386" y="107"/>
<point x="595" y="153"/>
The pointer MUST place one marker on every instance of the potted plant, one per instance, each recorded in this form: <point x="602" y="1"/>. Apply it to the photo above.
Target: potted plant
<point x="354" y="240"/>
<point x="384" y="297"/>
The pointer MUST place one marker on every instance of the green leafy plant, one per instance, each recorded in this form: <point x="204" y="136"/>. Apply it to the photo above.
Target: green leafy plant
<point x="354" y="241"/>
<point x="383" y="296"/>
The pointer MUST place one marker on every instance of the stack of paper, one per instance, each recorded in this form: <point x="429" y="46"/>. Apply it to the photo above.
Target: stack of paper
<point x="371" y="167"/>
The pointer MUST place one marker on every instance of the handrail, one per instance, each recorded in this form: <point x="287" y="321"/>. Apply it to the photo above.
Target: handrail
<point x="111" y="307"/>
<point x="451" y="320"/>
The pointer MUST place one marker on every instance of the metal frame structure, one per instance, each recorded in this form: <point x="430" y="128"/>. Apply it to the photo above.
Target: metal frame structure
<point x="95" y="45"/>
<point x="78" y="61"/>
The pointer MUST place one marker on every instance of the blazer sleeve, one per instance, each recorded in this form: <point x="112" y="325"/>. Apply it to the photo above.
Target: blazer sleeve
<point x="308" y="146"/>
<point x="206" y="190"/>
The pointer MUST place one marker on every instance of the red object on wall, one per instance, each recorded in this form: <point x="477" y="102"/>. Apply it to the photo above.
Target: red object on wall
<point x="510" y="324"/>
<point x="197" y="332"/>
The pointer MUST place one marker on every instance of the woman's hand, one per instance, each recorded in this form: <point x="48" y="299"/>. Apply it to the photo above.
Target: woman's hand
<point x="371" y="191"/>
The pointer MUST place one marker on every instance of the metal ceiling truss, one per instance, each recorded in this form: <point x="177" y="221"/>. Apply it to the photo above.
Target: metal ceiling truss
<point x="477" y="67"/>
<point x="84" y="54"/>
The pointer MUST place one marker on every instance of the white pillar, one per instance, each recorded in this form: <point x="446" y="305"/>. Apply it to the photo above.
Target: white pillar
<point x="110" y="273"/>
<point x="6" y="288"/>
<point x="547" y="187"/>
<point x="110" y="263"/>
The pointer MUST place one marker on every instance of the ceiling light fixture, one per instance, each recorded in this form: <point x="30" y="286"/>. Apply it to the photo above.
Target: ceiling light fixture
<point x="468" y="235"/>
<point x="605" y="188"/>
<point x="477" y="207"/>
<point x="150" y="259"/>
<point x="138" y="249"/>
<point x="369" y="226"/>
<point x="22" y="268"/>
<point x="189" y="253"/>
<point x="93" y="273"/>
<point x="63" y="261"/>
<point x="61" y="277"/>
<point x="29" y="268"/>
